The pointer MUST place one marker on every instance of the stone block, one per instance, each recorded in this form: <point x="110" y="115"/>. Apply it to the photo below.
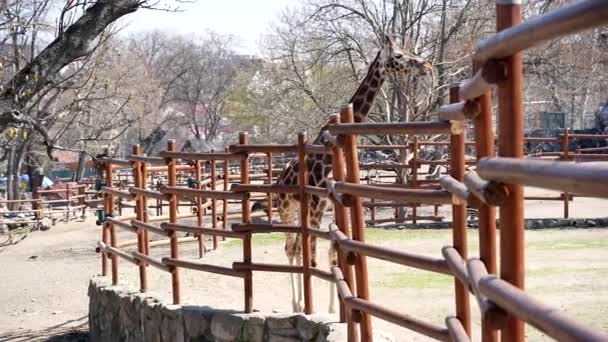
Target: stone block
<point x="227" y="327"/>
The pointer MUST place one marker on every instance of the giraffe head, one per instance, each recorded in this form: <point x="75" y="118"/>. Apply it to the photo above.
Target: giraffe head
<point x="391" y="60"/>
<point x="399" y="63"/>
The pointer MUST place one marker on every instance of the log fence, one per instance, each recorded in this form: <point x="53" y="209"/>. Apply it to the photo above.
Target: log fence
<point x="497" y="182"/>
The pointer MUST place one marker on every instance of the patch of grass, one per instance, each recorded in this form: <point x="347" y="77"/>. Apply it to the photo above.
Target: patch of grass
<point x="569" y="245"/>
<point x="414" y="279"/>
<point x="378" y="234"/>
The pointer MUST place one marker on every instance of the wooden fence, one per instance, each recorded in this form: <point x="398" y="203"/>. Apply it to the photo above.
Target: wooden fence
<point x="497" y="182"/>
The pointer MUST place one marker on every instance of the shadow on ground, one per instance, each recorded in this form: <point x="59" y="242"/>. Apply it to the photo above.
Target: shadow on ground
<point x="76" y="330"/>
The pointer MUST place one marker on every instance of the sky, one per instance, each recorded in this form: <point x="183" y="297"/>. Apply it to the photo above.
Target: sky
<point x="246" y="19"/>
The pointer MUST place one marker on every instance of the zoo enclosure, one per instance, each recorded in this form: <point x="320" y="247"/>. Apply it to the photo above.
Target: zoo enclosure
<point x="496" y="183"/>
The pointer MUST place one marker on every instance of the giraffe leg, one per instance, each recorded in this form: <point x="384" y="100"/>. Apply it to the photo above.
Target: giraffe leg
<point x="333" y="261"/>
<point x="285" y="213"/>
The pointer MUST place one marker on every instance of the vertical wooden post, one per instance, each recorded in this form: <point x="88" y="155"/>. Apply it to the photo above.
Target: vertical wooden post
<point x="144" y="203"/>
<point x="269" y="181"/>
<point x="566" y="156"/>
<point x="459" y="219"/>
<point x="415" y="165"/>
<point x="305" y="221"/>
<point x="110" y="226"/>
<point x="199" y="210"/>
<point x="511" y="128"/>
<point x="173" y="202"/>
<point x="338" y="171"/>
<point x="357" y="220"/>
<point x="68" y="193"/>
<point x="82" y="199"/>
<point x="245" y="208"/>
<point x="484" y="147"/>
<point x="213" y="201"/>
<point x="225" y="203"/>
<point x="139" y="215"/>
<point x="104" y="226"/>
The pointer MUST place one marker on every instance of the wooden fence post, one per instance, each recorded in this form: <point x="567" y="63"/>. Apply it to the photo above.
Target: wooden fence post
<point x="566" y="156"/>
<point x="199" y="210"/>
<point x="484" y="147"/>
<point x="459" y="218"/>
<point x="269" y="180"/>
<point x="226" y="188"/>
<point x="144" y="202"/>
<point x="305" y="221"/>
<point x="511" y="128"/>
<point x="173" y="202"/>
<point x="415" y="165"/>
<point x="245" y="208"/>
<point x="357" y="220"/>
<point x="109" y="226"/>
<point x="213" y="201"/>
<point x="338" y="171"/>
<point x="139" y="215"/>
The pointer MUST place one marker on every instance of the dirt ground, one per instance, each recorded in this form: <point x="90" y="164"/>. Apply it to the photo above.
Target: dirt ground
<point x="45" y="277"/>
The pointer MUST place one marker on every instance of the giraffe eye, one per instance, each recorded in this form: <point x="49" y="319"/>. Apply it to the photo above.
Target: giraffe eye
<point x="398" y="56"/>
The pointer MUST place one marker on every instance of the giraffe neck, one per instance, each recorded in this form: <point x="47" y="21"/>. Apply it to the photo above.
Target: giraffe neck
<point x="366" y="93"/>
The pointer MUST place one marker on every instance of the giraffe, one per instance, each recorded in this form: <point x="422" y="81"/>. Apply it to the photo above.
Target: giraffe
<point x="390" y="59"/>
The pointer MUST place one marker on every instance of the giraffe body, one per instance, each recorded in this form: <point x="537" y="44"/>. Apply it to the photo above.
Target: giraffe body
<point x="388" y="60"/>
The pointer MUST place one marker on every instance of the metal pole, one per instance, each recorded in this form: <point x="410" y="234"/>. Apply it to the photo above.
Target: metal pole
<point x="511" y="128"/>
<point x="484" y="147"/>
<point x="357" y="220"/>
<point x="459" y="219"/>
<point x="173" y="201"/>
<point x="248" y="281"/>
<point x="304" y="221"/>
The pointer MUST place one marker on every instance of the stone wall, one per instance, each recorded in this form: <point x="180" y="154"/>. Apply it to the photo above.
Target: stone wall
<point x="120" y="314"/>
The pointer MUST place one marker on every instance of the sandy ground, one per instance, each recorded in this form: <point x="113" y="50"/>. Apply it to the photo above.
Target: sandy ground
<point x="45" y="276"/>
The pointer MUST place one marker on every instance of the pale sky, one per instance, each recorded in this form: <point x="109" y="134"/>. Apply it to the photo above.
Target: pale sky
<point x="246" y="19"/>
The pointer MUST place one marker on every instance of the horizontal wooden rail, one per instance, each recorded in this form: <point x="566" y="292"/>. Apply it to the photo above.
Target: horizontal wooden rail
<point x="317" y="149"/>
<point x="149" y="193"/>
<point x="404" y="195"/>
<point x="204" y="156"/>
<point x="257" y="228"/>
<point x="265" y="188"/>
<point x="322" y="274"/>
<point x="374" y="166"/>
<point x="199" y="266"/>
<point x="491" y="73"/>
<point x="156" y="243"/>
<point x="146" y="159"/>
<point x="581" y="179"/>
<point x="122" y="224"/>
<point x="587" y="136"/>
<point x="459" y="191"/>
<point x="406" y="321"/>
<point x="241" y="266"/>
<point x="317" y="191"/>
<point x="383" y="147"/>
<point x="456" y="330"/>
<point x="263" y="148"/>
<point x="118" y="193"/>
<point x="216" y="194"/>
<point x="457" y="265"/>
<point x="389" y="254"/>
<point x="379" y="128"/>
<point x="151" y="261"/>
<point x="490" y="193"/>
<point x="179" y="167"/>
<point x="116" y="161"/>
<point x="569" y="19"/>
<point x="490" y="313"/>
<point x="149" y="227"/>
<point x="202" y="230"/>
<point x="544" y="318"/>
<point x="109" y="250"/>
<point x="459" y="111"/>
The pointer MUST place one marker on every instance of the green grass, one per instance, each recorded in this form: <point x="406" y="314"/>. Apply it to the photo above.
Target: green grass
<point x="568" y="245"/>
<point x="259" y="240"/>
<point x="414" y="279"/>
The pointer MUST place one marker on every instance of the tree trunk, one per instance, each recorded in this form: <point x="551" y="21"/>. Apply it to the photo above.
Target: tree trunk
<point x="82" y="159"/>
